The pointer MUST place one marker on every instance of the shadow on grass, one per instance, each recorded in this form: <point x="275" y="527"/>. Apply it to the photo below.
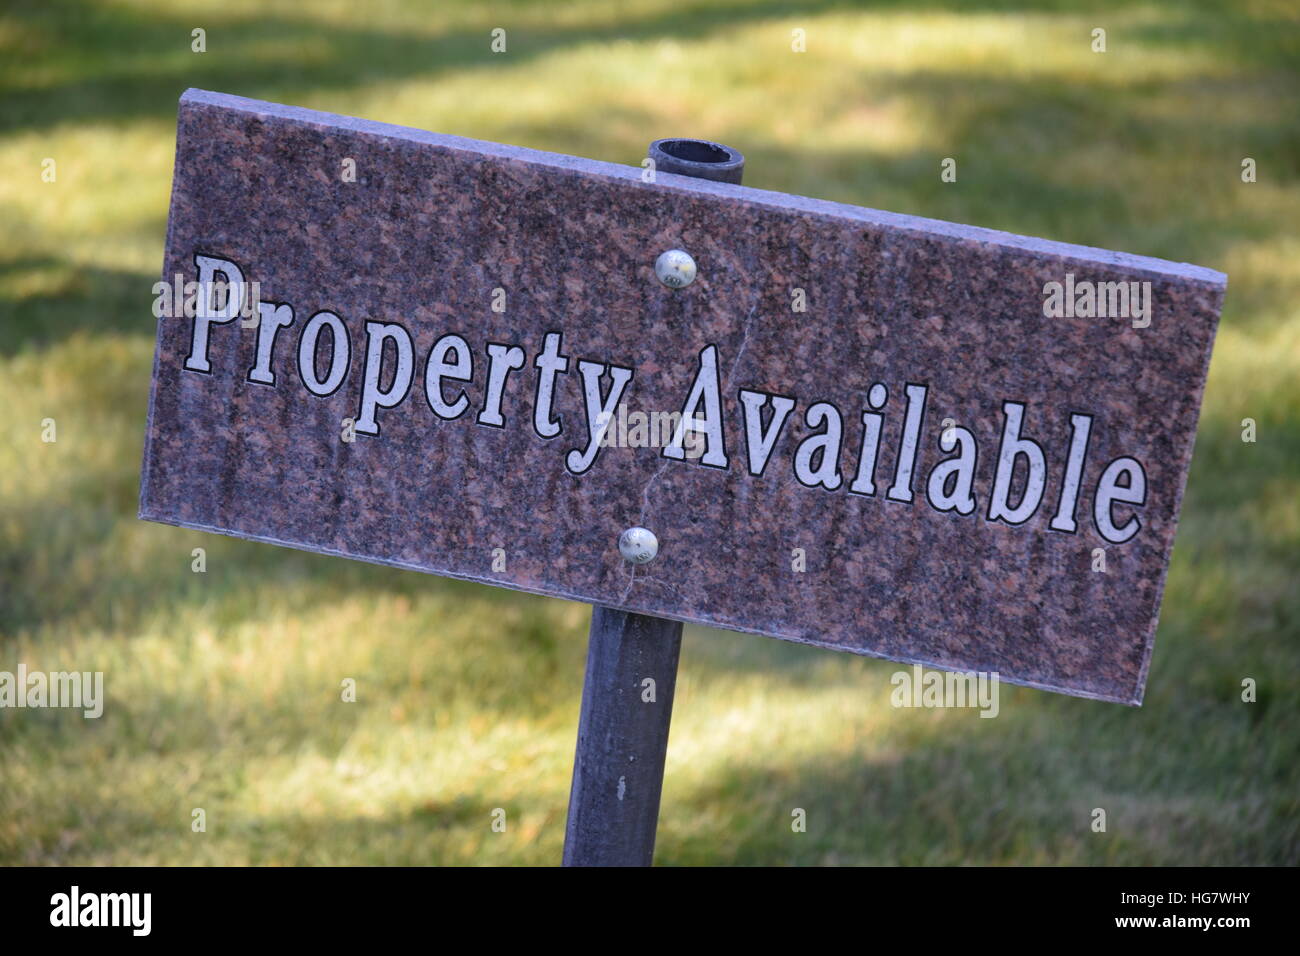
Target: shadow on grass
<point x="951" y="792"/>
<point x="67" y="297"/>
<point x="244" y="53"/>
<point x="132" y="64"/>
<point x="938" y="805"/>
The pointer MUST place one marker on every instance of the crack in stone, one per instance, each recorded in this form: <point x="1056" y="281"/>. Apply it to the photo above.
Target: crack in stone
<point x="645" y="492"/>
<point x="744" y="344"/>
<point x="725" y="388"/>
<point x="631" y="579"/>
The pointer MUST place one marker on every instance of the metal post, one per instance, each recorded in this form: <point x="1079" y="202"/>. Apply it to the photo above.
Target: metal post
<point x="627" y="694"/>
<point x="618" y="770"/>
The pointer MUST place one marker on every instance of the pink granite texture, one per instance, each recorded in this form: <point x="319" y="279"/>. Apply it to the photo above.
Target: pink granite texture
<point x="433" y="224"/>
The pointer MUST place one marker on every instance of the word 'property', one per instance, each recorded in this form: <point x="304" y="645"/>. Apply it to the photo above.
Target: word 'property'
<point x="1020" y="472"/>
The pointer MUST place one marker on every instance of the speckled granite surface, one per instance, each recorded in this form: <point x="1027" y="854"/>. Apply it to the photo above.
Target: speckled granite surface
<point x="433" y="224"/>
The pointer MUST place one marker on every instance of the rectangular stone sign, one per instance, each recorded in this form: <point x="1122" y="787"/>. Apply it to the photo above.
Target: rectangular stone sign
<point x="905" y="438"/>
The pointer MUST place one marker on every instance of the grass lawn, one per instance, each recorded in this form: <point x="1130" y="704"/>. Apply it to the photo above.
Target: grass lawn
<point x="224" y="687"/>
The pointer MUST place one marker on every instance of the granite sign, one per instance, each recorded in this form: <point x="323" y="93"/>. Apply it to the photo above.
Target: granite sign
<point x="875" y="433"/>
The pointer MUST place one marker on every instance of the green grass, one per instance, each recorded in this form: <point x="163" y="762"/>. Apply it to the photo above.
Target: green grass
<point x="224" y="687"/>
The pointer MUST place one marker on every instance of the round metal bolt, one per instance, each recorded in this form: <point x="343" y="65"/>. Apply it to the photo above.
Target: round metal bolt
<point x="675" y="268"/>
<point x="638" y="545"/>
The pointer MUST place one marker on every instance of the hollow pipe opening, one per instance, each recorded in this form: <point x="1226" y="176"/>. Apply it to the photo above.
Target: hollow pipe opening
<point x="699" y="158"/>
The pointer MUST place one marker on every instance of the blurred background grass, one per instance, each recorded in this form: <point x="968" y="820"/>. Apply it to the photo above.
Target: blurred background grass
<point x="223" y="687"/>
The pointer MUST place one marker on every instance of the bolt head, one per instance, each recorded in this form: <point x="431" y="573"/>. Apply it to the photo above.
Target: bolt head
<point x="675" y="268"/>
<point x="638" y="545"/>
